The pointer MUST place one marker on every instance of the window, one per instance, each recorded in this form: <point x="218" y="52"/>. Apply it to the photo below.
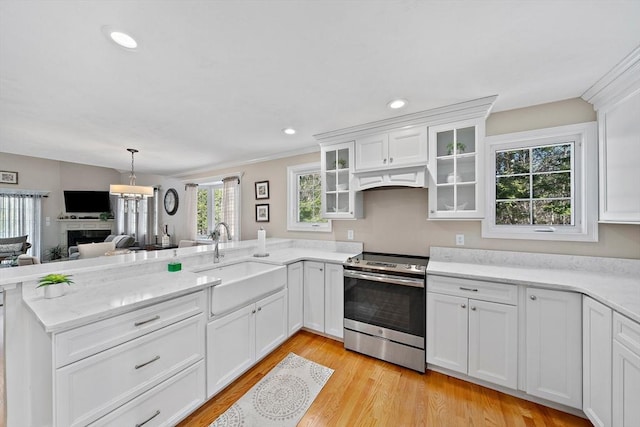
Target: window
<point x="209" y="208"/>
<point x="20" y="215"/>
<point x="543" y="184"/>
<point x="219" y="201"/>
<point x="305" y="199"/>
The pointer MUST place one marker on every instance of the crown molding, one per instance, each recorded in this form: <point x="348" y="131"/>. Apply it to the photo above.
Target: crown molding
<point x="185" y="176"/>
<point x="477" y="108"/>
<point x="624" y="76"/>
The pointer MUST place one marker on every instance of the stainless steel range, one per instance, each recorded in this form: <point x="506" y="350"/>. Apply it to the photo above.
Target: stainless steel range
<point x="384" y="307"/>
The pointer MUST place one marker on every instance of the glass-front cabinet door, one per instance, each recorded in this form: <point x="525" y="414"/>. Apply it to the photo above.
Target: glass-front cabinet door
<point x="455" y="167"/>
<point x="337" y="196"/>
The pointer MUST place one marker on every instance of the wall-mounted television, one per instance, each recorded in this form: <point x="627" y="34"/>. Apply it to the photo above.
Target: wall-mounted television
<point x="86" y="201"/>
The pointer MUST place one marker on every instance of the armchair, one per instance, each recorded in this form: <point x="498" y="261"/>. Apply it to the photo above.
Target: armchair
<point x="13" y="246"/>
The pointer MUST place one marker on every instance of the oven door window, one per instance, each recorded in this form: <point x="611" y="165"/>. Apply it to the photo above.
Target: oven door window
<point x="396" y="307"/>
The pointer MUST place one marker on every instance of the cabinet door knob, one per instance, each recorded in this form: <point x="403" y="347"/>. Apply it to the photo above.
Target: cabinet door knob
<point x="384" y="161"/>
<point x="533" y="297"/>
<point x="390" y="159"/>
<point x="259" y="308"/>
<point x="473" y="309"/>
<point x="253" y="312"/>
<point x="463" y="305"/>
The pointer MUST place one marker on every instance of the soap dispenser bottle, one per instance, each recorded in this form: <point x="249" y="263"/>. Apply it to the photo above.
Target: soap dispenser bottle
<point x="175" y="264"/>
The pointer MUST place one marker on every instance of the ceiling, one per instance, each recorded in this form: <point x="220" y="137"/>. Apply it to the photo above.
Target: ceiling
<point x="214" y="82"/>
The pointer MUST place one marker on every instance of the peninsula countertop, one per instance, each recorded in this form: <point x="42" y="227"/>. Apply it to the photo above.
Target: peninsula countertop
<point x="106" y="290"/>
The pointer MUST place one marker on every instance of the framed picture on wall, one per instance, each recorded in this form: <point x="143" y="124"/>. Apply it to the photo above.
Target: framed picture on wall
<point x="262" y="190"/>
<point x="7" y="177"/>
<point x="262" y="213"/>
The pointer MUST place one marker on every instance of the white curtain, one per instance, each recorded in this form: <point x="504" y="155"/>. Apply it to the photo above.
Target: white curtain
<point x="230" y="207"/>
<point x="191" y="206"/>
<point x="21" y="214"/>
<point x="133" y="218"/>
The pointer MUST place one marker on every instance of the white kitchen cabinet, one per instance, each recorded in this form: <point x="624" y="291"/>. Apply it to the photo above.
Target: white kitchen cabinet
<point x="129" y="361"/>
<point x="324" y="298"/>
<point x="339" y="200"/>
<point x="295" y="293"/>
<point x="231" y="348"/>
<point x="553" y="325"/>
<point x="164" y="405"/>
<point x="456" y="184"/>
<point x="271" y="323"/>
<point x="334" y="300"/>
<point x="616" y="98"/>
<point x="314" y="296"/>
<point x="236" y="341"/>
<point x="493" y="342"/>
<point x="470" y="335"/>
<point x="447" y="331"/>
<point x="626" y="372"/>
<point x="401" y="148"/>
<point x="596" y="361"/>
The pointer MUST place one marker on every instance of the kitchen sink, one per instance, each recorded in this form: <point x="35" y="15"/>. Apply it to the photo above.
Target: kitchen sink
<point x="242" y="283"/>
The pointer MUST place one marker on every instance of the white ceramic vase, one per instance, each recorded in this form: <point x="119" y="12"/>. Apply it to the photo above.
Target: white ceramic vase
<point x="55" y="291"/>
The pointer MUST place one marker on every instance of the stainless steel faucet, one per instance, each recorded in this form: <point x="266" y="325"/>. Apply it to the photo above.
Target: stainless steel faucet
<point x="216" y="239"/>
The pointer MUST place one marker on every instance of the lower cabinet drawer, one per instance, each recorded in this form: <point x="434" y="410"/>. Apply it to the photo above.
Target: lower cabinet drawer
<point x="163" y="405"/>
<point x="92" y="387"/>
<point x="476" y="289"/>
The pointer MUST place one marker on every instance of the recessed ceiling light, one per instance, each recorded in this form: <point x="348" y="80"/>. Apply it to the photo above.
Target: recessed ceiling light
<point x="289" y="131"/>
<point x="397" y="104"/>
<point x="123" y="39"/>
<point x="119" y="37"/>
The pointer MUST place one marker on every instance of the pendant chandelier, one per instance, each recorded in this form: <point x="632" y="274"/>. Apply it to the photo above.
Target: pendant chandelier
<point x="131" y="191"/>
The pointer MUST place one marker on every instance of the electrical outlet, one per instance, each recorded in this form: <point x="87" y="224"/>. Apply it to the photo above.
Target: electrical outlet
<point x="460" y="239"/>
<point x="350" y="234"/>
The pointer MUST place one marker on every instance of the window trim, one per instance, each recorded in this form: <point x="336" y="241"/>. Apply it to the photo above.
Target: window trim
<point x="584" y="183"/>
<point x="214" y="180"/>
<point x="292" y="200"/>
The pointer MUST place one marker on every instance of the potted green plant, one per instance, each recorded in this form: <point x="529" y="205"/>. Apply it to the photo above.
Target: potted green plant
<point x="342" y="163"/>
<point x="53" y="284"/>
<point x="460" y="147"/>
<point x="56" y="252"/>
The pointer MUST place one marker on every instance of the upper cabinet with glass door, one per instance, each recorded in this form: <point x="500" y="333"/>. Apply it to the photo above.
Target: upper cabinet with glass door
<point x="456" y="180"/>
<point x="339" y="201"/>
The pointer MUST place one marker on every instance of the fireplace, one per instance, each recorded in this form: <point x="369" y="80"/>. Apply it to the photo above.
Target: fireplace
<point x="75" y="237"/>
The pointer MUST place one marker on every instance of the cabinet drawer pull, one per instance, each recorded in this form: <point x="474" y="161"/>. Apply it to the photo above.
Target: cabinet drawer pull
<point x="468" y="289"/>
<point x="146" y="321"/>
<point x="533" y="297"/>
<point x="149" y="419"/>
<point x="146" y="363"/>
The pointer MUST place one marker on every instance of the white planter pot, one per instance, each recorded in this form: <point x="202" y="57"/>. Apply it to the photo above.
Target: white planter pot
<point x="55" y="291"/>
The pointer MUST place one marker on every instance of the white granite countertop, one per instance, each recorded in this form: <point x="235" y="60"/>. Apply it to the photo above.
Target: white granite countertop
<point x="613" y="282"/>
<point x="102" y="289"/>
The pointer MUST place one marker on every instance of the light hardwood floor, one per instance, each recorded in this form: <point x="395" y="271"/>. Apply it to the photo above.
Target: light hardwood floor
<point x="367" y="392"/>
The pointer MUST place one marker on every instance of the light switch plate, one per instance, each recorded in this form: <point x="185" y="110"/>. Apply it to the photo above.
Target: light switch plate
<point x="349" y="234"/>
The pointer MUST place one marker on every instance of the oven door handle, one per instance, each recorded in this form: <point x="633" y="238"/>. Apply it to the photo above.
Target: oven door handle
<point x="385" y="278"/>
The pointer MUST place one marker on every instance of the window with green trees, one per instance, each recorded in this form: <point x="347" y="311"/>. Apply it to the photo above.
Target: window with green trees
<point x="534" y="185"/>
<point x="209" y="208"/>
<point x="305" y="199"/>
